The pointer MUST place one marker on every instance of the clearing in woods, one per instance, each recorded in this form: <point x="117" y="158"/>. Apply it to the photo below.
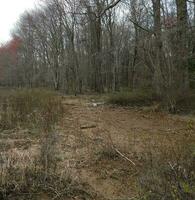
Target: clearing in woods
<point x="94" y="136"/>
<point x="104" y="146"/>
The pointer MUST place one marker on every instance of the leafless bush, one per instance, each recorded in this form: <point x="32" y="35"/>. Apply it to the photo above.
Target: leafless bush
<point x="168" y="173"/>
<point x="30" y="108"/>
<point x="49" y="154"/>
<point x="107" y="153"/>
<point x="24" y="175"/>
<point x="135" y="98"/>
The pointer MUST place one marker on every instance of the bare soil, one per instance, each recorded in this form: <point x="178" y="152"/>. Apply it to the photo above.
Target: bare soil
<point x="98" y="142"/>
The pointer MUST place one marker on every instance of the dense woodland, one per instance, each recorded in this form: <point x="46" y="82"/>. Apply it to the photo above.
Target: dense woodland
<point x="80" y="46"/>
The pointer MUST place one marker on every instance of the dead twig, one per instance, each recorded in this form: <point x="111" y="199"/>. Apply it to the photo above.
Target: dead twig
<point x="121" y="154"/>
<point x="125" y="157"/>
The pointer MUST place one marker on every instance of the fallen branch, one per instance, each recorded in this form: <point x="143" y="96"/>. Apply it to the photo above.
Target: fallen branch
<point x="117" y="151"/>
<point x="88" y="126"/>
<point x="125" y="157"/>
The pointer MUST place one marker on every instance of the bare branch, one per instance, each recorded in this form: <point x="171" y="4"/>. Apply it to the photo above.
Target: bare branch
<point x="112" y="5"/>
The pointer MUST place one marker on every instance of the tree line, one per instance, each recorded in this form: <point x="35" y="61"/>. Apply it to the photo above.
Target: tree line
<point x="102" y="46"/>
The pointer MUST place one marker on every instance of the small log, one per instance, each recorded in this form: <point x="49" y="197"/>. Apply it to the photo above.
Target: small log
<point x="88" y="126"/>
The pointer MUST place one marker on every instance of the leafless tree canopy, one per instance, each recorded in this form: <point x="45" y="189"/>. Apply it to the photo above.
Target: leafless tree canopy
<point x="103" y="45"/>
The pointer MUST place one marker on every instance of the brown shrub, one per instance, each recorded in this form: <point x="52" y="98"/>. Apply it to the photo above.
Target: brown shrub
<point x="30" y="108"/>
<point x="168" y="172"/>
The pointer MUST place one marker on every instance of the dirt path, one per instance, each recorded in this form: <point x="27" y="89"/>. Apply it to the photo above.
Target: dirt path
<point x="98" y="144"/>
<point x="91" y="132"/>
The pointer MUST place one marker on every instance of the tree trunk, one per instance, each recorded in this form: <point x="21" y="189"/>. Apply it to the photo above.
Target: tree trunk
<point x="158" y="63"/>
<point x="182" y="50"/>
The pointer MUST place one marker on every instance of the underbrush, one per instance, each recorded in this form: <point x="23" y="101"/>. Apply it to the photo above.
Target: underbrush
<point x="135" y="98"/>
<point x="182" y="104"/>
<point x="27" y="173"/>
<point x="30" y="109"/>
<point x="27" y="176"/>
<point x="36" y="172"/>
<point x="186" y="103"/>
<point x="168" y="172"/>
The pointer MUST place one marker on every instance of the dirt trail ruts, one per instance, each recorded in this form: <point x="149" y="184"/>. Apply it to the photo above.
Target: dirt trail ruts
<point x="90" y="132"/>
<point x="88" y="135"/>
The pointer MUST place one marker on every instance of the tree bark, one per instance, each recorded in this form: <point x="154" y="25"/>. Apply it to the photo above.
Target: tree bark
<point x="158" y="63"/>
<point x="182" y="46"/>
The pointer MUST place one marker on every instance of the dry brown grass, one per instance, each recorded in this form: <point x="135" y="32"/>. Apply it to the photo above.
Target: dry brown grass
<point x="23" y="176"/>
<point x="35" y="108"/>
<point x="167" y="169"/>
<point x="30" y="167"/>
<point x="135" y="98"/>
<point x="61" y="161"/>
